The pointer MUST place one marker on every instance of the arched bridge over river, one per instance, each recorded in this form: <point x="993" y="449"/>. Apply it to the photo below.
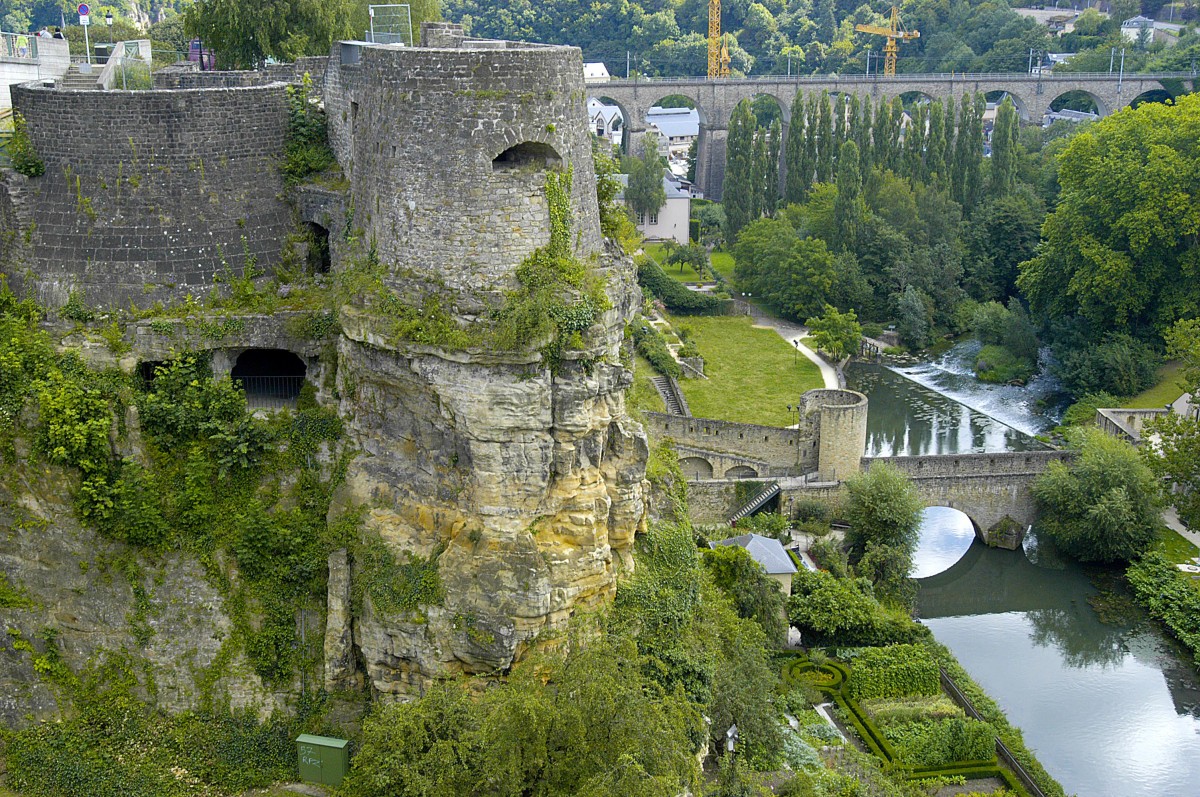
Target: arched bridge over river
<point x="716" y="99"/>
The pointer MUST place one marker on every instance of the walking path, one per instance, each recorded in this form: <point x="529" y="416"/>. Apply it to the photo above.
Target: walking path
<point x="794" y="334"/>
<point x="1171" y="518"/>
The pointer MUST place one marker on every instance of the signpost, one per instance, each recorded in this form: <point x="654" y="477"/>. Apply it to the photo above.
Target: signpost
<point x="85" y="19"/>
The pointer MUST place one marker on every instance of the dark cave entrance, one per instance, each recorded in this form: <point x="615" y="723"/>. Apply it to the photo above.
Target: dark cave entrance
<point x="270" y="378"/>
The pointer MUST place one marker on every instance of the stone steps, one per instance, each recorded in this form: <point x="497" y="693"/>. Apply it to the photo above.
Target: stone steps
<point x="76" y="80"/>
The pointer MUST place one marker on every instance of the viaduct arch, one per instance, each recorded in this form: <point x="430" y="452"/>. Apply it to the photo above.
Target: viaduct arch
<point x="716" y="99"/>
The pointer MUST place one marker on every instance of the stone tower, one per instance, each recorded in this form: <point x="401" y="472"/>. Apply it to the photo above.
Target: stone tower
<point x="521" y="481"/>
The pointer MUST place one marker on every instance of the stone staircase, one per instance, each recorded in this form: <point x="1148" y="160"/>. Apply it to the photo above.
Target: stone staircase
<point x="756" y="503"/>
<point x="76" y="80"/>
<point x="672" y="396"/>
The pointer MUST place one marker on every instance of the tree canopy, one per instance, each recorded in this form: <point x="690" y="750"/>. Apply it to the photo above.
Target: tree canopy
<point x="1120" y="250"/>
<point x="1104" y="506"/>
<point x="244" y="35"/>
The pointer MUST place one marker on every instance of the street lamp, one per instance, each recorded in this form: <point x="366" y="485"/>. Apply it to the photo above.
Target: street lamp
<point x="108" y="20"/>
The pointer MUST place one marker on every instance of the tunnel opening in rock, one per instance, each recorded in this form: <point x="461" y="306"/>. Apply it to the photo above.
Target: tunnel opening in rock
<point x="528" y="154"/>
<point x="270" y="378"/>
<point x="319" y="260"/>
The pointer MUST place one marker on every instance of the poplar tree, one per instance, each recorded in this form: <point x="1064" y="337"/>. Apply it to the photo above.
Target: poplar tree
<point x="810" y="139"/>
<point x="839" y="119"/>
<point x="770" y="195"/>
<point x="760" y="174"/>
<point x="1004" y="154"/>
<point x="739" y="196"/>
<point x="879" y="135"/>
<point x="863" y="139"/>
<point x="825" y="142"/>
<point x="974" y="154"/>
<point x="935" y="146"/>
<point x="958" y="170"/>
<point x="795" y="187"/>
<point x="849" y="209"/>
<point x="914" y="144"/>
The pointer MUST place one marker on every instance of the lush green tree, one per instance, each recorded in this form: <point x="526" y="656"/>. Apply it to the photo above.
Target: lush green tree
<point x="882" y="507"/>
<point x="1002" y="234"/>
<point x="692" y="255"/>
<point x="913" y="316"/>
<point x="792" y="274"/>
<point x="1120" y="248"/>
<point x="1118" y="364"/>
<point x="754" y="594"/>
<point x="836" y="333"/>
<point x="842" y="611"/>
<point x="1004" y="149"/>
<point x="797" y="178"/>
<point x="645" y="193"/>
<point x="245" y="35"/>
<point x="584" y="723"/>
<point x="739" y="190"/>
<point x="1104" y="506"/>
<point x="1175" y="458"/>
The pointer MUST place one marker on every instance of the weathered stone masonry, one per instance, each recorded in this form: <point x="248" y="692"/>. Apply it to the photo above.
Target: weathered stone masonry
<point x="148" y="195"/>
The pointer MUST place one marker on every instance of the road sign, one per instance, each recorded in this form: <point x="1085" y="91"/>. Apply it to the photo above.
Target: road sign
<point x="84" y="10"/>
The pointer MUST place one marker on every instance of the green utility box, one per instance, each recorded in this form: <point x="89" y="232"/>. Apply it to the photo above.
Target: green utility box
<point x="323" y="759"/>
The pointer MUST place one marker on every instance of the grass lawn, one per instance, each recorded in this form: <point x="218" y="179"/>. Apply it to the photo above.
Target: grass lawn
<point x="753" y="373"/>
<point x="722" y="263"/>
<point x="686" y="274"/>
<point x="643" y="396"/>
<point x="1163" y="392"/>
<point x="1173" y="546"/>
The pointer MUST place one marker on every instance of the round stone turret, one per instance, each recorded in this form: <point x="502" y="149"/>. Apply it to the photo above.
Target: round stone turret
<point x="842" y="419"/>
<point x="447" y="150"/>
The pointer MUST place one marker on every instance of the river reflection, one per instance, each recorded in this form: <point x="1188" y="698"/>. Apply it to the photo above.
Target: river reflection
<point x="906" y="418"/>
<point x="1109" y="708"/>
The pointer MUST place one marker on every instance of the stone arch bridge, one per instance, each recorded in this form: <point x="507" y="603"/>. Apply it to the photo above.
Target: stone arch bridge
<point x="716" y="99"/>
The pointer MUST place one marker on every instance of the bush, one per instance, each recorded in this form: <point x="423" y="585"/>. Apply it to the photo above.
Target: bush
<point x="307" y="150"/>
<point x="998" y="365"/>
<point x="1168" y="597"/>
<point x="24" y="157"/>
<point x="936" y="743"/>
<point x="650" y="343"/>
<point x="893" y="671"/>
<point x="1119" y="364"/>
<point x="843" y="612"/>
<point x="1083" y="411"/>
<point x="676" y="297"/>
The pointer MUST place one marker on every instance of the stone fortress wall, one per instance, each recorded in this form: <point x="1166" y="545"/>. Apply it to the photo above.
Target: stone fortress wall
<point x="147" y="195"/>
<point x="447" y="147"/>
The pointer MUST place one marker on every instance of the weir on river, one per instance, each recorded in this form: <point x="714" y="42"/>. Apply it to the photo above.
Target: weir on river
<point x="1109" y="705"/>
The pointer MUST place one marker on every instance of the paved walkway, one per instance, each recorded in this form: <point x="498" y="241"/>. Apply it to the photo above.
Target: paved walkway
<point x="1171" y="518"/>
<point x="794" y="334"/>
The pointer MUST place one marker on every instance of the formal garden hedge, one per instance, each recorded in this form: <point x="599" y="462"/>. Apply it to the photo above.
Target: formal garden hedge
<point x="909" y="724"/>
<point x="677" y="298"/>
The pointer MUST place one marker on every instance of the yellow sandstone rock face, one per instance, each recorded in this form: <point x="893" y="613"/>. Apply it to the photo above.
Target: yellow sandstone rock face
<point x="526" y="486"/>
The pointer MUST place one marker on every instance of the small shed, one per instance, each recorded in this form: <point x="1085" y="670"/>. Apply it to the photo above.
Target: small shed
<point x="769" y="554"/>
<point x="322" y="759"/>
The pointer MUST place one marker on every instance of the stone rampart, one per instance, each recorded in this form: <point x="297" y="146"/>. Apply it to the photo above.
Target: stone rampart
<point x="783" y="450"/>
<point x="187" y="75"/>
<point x="1126" y="424"/>
<point x="447" y="152"/>
<point x="150" y="195"/>
<point x="1018" y="463"/>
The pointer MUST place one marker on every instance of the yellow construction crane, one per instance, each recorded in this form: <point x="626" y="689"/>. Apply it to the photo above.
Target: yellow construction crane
<point x="893" y="32"/>
<point x="718" y="53"/>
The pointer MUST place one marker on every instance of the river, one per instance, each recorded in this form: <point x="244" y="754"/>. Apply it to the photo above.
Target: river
<point x="1110" y="706"/>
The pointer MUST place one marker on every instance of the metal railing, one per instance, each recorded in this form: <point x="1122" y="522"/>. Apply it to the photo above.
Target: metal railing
<point x="19" y="45"/>
<point x="270" y="392"/>
<point x="1002" y="751"/>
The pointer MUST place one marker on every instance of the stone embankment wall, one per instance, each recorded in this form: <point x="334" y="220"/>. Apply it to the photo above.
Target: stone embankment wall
<point x="727" y="444"/>
<point x="149" y="195"/>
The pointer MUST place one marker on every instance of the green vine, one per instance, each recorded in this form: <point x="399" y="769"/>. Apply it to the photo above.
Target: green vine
<point x="21" y="152"/>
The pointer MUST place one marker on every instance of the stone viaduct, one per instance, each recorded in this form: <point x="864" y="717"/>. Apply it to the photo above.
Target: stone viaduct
<point x="716" y="99"/>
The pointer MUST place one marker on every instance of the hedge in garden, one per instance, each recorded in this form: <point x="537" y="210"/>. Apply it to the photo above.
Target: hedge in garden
<point x="893" y="671"/>
<point x="673" y="294"/>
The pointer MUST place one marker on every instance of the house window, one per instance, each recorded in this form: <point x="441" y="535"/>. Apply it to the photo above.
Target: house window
<point x="641" y="218"/>
<point x="654" y="217"/>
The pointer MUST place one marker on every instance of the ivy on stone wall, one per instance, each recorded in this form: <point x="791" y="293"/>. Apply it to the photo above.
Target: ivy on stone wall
<point x="21" y="152"/>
